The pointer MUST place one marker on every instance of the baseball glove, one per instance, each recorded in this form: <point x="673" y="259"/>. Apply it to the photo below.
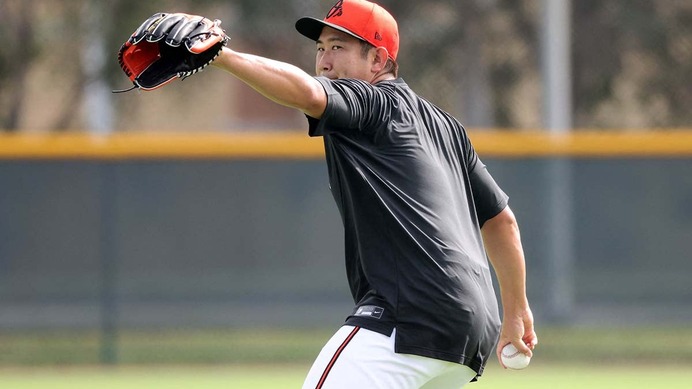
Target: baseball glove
<point x="168" y="46"/>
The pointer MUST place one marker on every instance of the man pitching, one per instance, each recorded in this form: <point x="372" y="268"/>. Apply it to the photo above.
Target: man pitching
<point x="421" y="213"/>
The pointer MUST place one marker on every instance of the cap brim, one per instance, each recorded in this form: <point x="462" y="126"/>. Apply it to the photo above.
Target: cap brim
<point x="312" y="28"/>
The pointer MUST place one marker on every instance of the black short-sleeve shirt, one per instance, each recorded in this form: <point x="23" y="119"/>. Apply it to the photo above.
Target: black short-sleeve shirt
<point x="412" y="195"/>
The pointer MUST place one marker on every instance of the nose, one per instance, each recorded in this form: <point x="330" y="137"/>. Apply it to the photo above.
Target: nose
<point x="322" y="64"/>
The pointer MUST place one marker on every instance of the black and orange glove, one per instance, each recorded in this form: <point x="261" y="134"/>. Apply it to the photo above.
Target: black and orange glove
<point x="168" y="46"/>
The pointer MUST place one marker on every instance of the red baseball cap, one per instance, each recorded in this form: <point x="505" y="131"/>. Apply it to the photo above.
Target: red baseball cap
<point x="359" y="18"/>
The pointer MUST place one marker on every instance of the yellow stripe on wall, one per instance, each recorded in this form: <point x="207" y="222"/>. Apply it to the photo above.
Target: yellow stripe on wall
<point x="297" y="145"/>
<point x="583" y="144"/>
<point x="154" y="145"/>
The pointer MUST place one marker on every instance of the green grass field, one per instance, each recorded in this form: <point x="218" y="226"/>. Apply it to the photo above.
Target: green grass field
<point x="543" y="376"/>
<point x="567" y="358"/>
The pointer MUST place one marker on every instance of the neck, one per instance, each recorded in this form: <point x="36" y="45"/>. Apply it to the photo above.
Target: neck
<point x="382" y="77"/>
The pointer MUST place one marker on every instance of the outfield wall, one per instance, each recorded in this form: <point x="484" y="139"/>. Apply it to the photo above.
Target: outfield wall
<point x="150" y="230"/>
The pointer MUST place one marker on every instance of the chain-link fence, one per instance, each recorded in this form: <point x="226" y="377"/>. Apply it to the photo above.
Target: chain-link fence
<point x="198" y="244"/>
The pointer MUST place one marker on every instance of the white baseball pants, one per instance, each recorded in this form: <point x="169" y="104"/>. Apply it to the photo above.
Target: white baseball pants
<point x="358" y="358"/>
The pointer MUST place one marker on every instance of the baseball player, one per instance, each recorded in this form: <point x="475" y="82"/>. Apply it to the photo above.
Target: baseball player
<point x="421" y="213"/>
<point x="419" y="208"/>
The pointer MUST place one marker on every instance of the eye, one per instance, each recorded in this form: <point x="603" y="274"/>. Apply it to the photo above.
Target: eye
<point x="336" y="47"/>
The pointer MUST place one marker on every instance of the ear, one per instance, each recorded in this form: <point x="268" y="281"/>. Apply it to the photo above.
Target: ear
<point x="380" y="59"/>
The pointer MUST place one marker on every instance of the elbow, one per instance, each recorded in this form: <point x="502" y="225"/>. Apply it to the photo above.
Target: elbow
<point x="503" y="220"/>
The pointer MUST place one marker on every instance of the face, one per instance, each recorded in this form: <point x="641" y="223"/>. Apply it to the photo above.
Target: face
<point x="339" y="55"/>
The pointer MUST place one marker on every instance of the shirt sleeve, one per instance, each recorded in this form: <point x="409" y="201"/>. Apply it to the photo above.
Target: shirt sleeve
<point x="352" y="105"/>
<point x="489" y="199"/>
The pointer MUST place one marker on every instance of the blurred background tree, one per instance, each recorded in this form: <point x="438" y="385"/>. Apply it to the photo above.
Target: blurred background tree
<point x="633" y="63"/>
<point x="479" y="59"/>
<point x="15" y="25"/>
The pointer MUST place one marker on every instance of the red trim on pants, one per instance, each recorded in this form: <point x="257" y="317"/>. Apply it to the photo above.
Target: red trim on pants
<point x="335" y="357"/>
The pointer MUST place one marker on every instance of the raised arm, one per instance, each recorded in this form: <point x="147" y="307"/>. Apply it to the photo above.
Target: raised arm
<point x="280" y="82"/>
<point x="503" y="245"/>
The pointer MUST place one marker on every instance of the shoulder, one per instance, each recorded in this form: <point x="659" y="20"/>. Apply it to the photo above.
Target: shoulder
<point x="357" y="85"/>
<point x="354" y="104"/>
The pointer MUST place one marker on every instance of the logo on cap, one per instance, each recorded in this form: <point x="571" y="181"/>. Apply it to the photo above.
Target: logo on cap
<point x="337" y="9"/>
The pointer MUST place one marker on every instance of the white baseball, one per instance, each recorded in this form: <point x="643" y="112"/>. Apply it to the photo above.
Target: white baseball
<point x="513" y="358"/>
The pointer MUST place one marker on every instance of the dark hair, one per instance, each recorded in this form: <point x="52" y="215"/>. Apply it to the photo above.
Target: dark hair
<point x="390" y="67"/>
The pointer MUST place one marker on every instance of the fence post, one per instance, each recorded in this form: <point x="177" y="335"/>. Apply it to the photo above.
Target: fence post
<point x="557" y="103"/>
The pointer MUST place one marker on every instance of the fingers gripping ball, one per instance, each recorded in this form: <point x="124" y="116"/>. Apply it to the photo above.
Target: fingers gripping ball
<point x="513" y="358"/>
<point x="168" y="46"/>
